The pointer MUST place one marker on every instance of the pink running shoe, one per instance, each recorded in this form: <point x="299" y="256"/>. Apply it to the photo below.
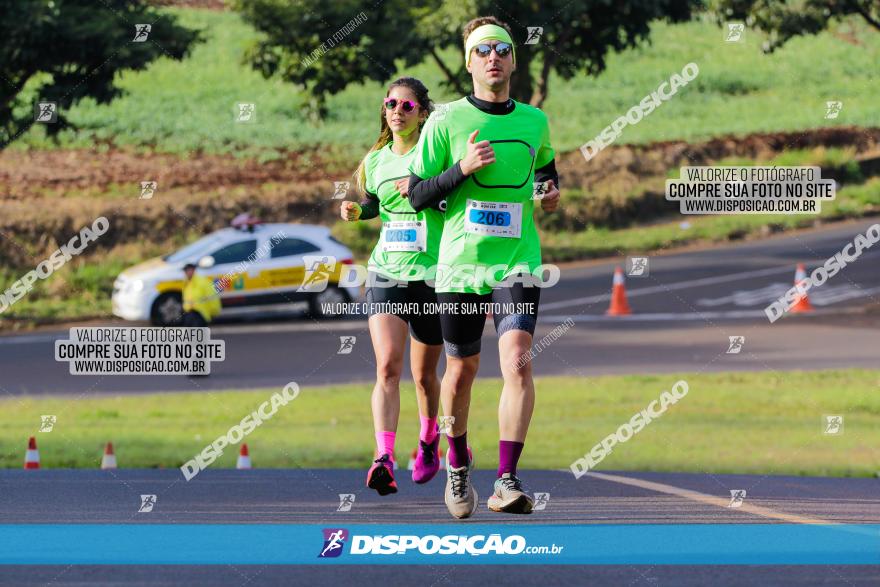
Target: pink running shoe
<point x="427" y="461"/>
<point x="381" y="476"/>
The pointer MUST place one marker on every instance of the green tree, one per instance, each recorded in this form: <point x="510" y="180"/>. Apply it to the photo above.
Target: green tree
<point x="577" y="37"/>
<point x="784" y="19"/>
<point x="72" y="49"/>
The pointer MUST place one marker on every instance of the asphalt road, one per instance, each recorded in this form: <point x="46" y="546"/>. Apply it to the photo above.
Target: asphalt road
<point x="311" y="497"/>
<point x="685" y="310"/>
<point x="443" y="576"/>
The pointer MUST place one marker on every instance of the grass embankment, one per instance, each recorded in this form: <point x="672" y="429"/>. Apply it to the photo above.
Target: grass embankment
<point x="727" y="423"/>
<point x="82" y="288"/>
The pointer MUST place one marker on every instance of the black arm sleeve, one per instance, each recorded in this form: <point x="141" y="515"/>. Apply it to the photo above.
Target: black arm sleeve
<point x="547" y="173"/>
<point x="369" y="207"/>
<point x="424" y="193"/>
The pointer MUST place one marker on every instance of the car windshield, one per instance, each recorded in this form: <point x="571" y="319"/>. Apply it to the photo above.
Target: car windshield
<point x="195" y="251"/>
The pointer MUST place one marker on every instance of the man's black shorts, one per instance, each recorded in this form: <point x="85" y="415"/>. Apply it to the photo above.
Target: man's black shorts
<point x="463" y="331"/>
<point x="424" y="324"/>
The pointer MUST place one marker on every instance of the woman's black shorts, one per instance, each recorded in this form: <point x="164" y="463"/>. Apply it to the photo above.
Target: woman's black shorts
<point x="412" y="301"/>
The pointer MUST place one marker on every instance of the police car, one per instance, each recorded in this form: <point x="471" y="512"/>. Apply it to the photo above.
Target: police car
<point x="257" y="267"/>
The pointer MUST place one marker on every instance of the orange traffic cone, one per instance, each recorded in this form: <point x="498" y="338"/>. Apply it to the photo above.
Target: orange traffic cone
<point x="32" y="456"/>
<point x="619" y="306"/>
<point x="108" y="461"/>
<point x="802" y="304"/>
<point x="244" y="458"/>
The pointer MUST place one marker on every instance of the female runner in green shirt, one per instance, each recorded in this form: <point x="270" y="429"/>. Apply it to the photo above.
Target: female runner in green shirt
<point x="397" y="294"/>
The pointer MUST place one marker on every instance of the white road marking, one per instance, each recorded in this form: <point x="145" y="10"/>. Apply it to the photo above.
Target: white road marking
<point x="708" y="499"/>
<point x="823" y="295"/>
<point x="671" y="287"/>
<point x="677" y="317"/>
<point x="654" y="317"/>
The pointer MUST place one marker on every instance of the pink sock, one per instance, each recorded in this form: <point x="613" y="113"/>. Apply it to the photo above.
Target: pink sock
<point x="428" y="431"/>
<point x="385" y="443"/>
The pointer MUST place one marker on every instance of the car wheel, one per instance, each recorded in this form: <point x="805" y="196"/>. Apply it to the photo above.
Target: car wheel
<point x="167" y="310"/>
<point x="319" y="302"/>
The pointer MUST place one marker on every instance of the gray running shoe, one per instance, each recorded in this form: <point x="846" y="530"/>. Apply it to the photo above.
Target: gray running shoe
<point x="509" y="496"/>
<point x="461" y="498"/>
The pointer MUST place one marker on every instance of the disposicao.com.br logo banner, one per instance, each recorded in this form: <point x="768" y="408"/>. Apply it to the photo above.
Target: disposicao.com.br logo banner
<point x="432" y="544"/>
<point x="435" y="543"/>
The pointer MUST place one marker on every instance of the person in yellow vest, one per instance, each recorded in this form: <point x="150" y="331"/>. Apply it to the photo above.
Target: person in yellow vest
<point x="201" y="302"/>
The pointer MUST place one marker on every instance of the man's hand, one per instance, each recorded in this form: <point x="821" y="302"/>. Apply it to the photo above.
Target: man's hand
<point x="478" y="155"/>
<point x="402" y="186"/>
<point x="350" y="211"/>
<point x="550" y="201"/>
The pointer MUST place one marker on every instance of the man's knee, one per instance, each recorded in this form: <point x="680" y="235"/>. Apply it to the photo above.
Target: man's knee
<point x="516" y="358"/>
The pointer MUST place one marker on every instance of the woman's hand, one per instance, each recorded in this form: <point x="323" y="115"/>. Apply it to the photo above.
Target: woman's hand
<point x="478" y="155"/>
<point x="350" y="211"/>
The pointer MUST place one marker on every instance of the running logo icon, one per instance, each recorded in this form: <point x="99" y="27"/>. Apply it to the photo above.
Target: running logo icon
<point x="440" y="111"/>
<point x="334" y="540"/>
<point x="247" y="112"/>
<point x="148" y="188"/>
<point x="47" y="422"/>
<point x="340" y="190"/>
<point x="541" y="501"/>
<point x="534" y="34"/>
<point x="736" y="344"/>
<point x="147" y="503"/>
<point x="540" y="189"/>
<point x="141" y="32"/>
<point x="637" y="266"/>
<point x="445" y="424"/>
<point x="346" y="345"/>
<point x="318" y="270"/>
<point x="833" y="425"/>
<point x="735" y="32"/>
<point x="832" y="109"/>
<point x="46" y="112"/>
<point x="346" y="500"/>
<point x="736" y="498"/>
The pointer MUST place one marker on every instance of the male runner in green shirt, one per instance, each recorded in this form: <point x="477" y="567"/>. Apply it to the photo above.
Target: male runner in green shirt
<point x="486" y="154"/>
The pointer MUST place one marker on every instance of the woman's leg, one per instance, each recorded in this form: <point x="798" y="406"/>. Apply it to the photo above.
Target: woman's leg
<point x="424" y="359"/>
<point x="424" y="355"/>
<point x="389" y="334"/>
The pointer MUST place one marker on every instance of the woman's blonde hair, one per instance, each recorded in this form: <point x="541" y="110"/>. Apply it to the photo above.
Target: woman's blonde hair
<point x="385" y="135"/>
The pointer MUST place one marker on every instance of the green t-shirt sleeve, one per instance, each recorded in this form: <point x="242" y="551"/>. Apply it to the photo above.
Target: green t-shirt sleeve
<point x="370" y="172"/>
<point x="545" y="151"/>
<point x="432" y="153"/>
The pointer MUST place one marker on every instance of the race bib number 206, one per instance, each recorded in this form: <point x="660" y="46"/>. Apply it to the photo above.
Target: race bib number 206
<point x="493" y="218"/>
